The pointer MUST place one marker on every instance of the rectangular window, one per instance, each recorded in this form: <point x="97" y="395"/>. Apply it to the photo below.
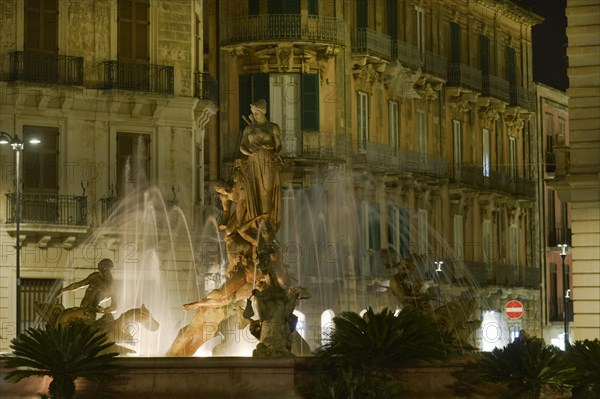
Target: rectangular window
<point x="40" y="161"/>
<point x="36" y="292"/>
<point x="512" y="157"/>
<point x="551" y="217"/>
<point x="393" y="217"/>
<point x="363" y="121"/>
<point x="513" y="237"/>
<point x="41" y="26"/>
<point x="392" y="19"/>
<point x="423" y="233"/>
<point x="487" y="240"/>
<point x="486" y="156"/>
<point x="422" y="131"/>
<point x="457" y="148"/>
<point x="133" y="162"/>
<point x="133" y="23"/>
<point x="511" y="72"/>
<point x="393" y="130"/>
<point x="484" y="55"/>
<point x="283" y="6"/>
<point x="553" y="312"/>
<point x="362" y="14"/>
<point x="398" y="230"/>
<point x="420" y="28"/>
<point x="285" y="108"/>
<point x="459" y="234"/>
<point x="454" y="43"/>
<point x="313" y="7"/>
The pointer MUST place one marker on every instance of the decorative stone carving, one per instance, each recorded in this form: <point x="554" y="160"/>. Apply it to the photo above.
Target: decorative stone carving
<point x="399" y="82"/>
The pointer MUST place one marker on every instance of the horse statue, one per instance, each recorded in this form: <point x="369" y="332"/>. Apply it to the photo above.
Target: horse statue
<point x="118" y="330"/>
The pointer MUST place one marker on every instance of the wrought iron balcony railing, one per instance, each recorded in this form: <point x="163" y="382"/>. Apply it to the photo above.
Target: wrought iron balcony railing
<point x="435" y="65"/>
<point x="486" y="274"/>
<point x="473" y="175"/>
<point x="522" y="97"/>
<point x="300" y="145"/>
<point x="495" y="87"/>
<point x="206" y="87"/>
<point x="46" y="68"/>
<point x="383" y="156"/>
<point x="68" y="210"/>
<point x="138" y="77"/>
<point x="407" y="54"/>
<point x="107" y="206"/>
<point x="371" y="42"/>
<point x="462" y="75"/>
<point x="311" y="28"/>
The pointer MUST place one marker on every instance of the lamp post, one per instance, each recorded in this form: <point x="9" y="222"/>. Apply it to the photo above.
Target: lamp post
<point x="567" y="291"/>
<point x="17" y="145"/>
<point x="438" y="269"/>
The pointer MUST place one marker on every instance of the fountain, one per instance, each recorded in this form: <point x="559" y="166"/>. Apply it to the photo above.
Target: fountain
<point x="268" y="248"/>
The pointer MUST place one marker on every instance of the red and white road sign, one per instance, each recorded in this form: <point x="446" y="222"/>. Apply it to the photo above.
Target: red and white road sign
<point x="514" y="309"/>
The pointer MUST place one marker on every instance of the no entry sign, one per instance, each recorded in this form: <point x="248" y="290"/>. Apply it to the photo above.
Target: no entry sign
<point x="514" y="309"/>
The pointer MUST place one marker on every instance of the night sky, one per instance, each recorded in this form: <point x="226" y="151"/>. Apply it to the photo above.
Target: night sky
<point x="549" y="42"/>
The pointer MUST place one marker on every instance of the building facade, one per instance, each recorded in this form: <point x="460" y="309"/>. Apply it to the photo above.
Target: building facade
<point x="553" y="131"/>
<point x="407" y="129"/>
<point x="408" y="132"/>
<point x="576" y="178"/>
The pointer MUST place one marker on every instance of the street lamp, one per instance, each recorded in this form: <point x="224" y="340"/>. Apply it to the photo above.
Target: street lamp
<point x="563" y="255"/>
<point x="17" y="145"/>
<point x="438" y="269"/>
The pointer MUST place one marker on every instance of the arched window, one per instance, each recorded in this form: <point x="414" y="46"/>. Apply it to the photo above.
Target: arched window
<point x="326" y="323"/>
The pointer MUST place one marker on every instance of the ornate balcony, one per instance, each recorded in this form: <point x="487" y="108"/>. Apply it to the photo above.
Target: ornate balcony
<point x="435" y="65"/>
<point x="384" y="157"/>
<point x="407" y="54"/>
<point x="462" y="75"/>
<point x="497" y="274"/>
<point x="206" y="87"/>
<point x="369" y="42"/>
<point x="472" y="175"/>
<point x="246" y="29"/>
<point x="46" y="68"/>
<point x="66" y="210"/>
<point x="493" y="86"/>
<point x="138" y="77"/>
<point x="522" y="97"/>
<point x="313" y="145"/>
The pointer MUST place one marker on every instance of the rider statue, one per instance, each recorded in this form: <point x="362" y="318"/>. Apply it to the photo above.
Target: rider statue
<point x="99" y="288"/>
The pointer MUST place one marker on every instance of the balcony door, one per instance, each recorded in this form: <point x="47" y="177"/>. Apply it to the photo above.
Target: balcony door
<point x="133" y="51"/>
<point x="41" y="40"/>
<point x="284" y="18"/>
<point x="40" y="175"/>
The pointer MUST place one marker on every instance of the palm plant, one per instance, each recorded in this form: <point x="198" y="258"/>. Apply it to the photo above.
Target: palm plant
<point x="383" y="339"/>
<point x="64" y="353"/>
<point x="366" y="348"/>
<point x="526" y="366"/>
<point x="585" y="357"/>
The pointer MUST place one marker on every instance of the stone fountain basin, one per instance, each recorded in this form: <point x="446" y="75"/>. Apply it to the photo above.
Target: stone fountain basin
<point x="224" y="378"/>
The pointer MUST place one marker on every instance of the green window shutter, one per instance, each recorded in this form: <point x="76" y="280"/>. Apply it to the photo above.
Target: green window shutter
<point x="253" y="7"/>
<point x="454" y="43"/>
<point x="362" y="12"/>
<point x="310" y="102"/>
<point x="484" y="54"/>
<point x="245" y="98"/>
<point x="313" y="7"/>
